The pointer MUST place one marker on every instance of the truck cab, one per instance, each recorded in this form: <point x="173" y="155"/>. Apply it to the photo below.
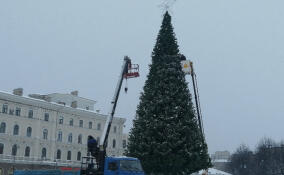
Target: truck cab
<point x="122" y="166"/>
<point x="112" y="166"/>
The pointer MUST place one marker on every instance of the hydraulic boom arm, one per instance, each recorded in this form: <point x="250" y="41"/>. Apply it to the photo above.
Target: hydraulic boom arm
<point x="103" y="141"/>
<point x="99" y="153"/>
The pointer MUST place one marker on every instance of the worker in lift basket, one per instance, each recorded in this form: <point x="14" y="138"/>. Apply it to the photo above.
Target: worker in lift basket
<point x="93" y="146"/>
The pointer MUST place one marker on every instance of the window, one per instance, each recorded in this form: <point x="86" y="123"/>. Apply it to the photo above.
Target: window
<point x="43" y="153"/>
<point x="1" y="148"/>
<point x="27" y="151"/>
<point x="58" y="154"/>
<point x="46" y="117"/>
<point x="114" y="129"/>
<point x="70" y="138"/>
<point x="11" y="171"/>
<point x="113" y="143"/>
<point x="90" y="125"/>
<point x="112" y="166"/>
<point x="3" y="127"/>
<point x="61" y="120"/>
<point x="5" y="108"/>
<point x="59" y="136"/>
<point x="69" y="155"/>
<point x="79" y="156"/>
<point x="80" y="139"/>
<point x="123" y="143"/>
<point x="45" y="134"/>
<point x="71" y="122"/>
<point x="31" y="113"/>
<point x="29" y="132"/>
<point x="99" y="126"/>
<point x="18" y="111"/>
<point x="87" y="107"/>
<point x="16" y="130"/>
<point x="81" y="124"/>
<point x="130" y="165"/>
<point x="14" y="150"/>
<point x="11" y="112"/>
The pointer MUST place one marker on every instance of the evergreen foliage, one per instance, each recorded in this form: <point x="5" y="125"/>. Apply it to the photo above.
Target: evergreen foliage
<point x="165" y="135"/>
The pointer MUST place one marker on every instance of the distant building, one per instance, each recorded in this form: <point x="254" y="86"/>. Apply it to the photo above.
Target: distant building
<point x="221" y="155"/>
<point x="50" y="130"/>
<point x="220" y="160"/>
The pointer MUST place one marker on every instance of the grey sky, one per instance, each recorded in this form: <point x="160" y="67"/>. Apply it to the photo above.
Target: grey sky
<point x="237" y="48"/>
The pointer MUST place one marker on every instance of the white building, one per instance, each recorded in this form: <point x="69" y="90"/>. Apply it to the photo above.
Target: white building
<point x="221" y="155"/>
<point x="71" y="99"/>
<point x="45" y="129"/>
<point x="221" y="160"/>
<point x="124" y="141"/>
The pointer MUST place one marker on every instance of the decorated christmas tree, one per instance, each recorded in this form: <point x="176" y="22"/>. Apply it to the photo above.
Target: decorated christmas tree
<point x="165" y="134"/>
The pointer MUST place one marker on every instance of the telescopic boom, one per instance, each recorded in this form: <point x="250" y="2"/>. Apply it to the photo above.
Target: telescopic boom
<point x="104" y="138"/>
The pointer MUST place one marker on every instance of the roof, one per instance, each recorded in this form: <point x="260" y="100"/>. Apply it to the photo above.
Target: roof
<point x="53" y="106"/>
<point x="70" y="95"/>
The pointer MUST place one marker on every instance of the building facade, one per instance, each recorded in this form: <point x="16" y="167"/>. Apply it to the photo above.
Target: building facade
<point x="39" y="130"/>
<point x="221" y="155"/>
<point x="125" y="142"/>
<point x="221" y="160"/>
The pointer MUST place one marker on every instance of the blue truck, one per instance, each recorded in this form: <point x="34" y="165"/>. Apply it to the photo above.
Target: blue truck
<point x="113" y="166"/>
<point x="45" y="172"/>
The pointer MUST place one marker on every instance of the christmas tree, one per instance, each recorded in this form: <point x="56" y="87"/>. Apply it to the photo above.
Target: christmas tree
<point x="165" y="134"/>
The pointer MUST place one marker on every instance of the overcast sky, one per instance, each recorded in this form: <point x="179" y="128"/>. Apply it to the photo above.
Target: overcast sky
<point x="236" y="46"/>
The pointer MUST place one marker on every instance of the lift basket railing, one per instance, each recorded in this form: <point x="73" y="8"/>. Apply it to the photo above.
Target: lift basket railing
<point x="132" y="71"/>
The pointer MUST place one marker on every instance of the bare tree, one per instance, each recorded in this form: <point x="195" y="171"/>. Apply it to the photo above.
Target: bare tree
<point x="242" y="161"/>
<point x="268" y="159"/>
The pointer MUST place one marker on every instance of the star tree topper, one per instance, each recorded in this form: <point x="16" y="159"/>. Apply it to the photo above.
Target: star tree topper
<point x="167" y="4"/>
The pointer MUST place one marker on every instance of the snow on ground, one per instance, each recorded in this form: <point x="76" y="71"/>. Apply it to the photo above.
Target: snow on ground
<point x="212" y="171"/>
<point x="220" y="160"/>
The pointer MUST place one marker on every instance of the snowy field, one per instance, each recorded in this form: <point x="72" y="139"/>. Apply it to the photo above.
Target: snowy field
<point x="212" y="171"/>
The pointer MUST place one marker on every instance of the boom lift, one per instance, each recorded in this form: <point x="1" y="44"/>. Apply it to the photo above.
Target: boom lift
<point x="99" y="163"/>
<point x="187" y="68"/>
